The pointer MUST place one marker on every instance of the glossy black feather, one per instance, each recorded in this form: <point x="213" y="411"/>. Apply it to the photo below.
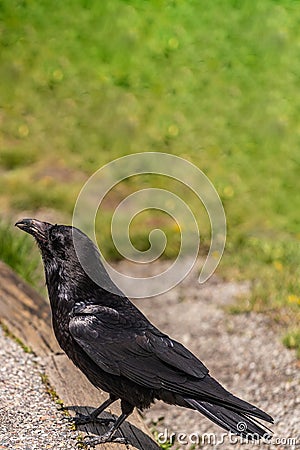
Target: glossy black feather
<point x="125" y="342"/>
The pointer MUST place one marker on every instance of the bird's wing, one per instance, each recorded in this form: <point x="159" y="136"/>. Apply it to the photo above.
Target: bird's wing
<point x="133" y="348"/>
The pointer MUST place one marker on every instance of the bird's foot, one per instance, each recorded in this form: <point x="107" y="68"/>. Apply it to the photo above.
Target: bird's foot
<point x="92" y="441"/>
<point x="82" y="419"/>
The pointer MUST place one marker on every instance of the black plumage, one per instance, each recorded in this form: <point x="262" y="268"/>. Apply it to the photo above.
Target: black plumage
<point x="118" y="349"/>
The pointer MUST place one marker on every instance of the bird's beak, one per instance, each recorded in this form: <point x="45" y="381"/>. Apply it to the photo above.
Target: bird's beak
<point x="34" y="227"/>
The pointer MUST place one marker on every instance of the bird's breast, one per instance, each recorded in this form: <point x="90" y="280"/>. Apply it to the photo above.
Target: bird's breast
<point x="61" y="307"/>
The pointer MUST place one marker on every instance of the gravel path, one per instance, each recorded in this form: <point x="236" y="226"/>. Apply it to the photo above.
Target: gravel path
<point x="29" y="418"/>
<point x="243" y="352"/>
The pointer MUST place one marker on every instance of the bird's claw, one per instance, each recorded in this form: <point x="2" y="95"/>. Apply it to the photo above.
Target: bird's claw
<point x="82" y="419"/>
<point x="92" y="441"/>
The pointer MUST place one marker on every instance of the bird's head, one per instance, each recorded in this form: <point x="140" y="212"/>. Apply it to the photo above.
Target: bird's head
<point x="53" y="240"/>
<point x="67" y="250"/>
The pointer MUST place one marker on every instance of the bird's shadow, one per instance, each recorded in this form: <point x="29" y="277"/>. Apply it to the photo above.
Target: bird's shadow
<point x="136" y="437"/>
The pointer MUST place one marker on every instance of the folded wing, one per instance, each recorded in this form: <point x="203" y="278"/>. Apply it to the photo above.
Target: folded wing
<point x="135" y="350"/>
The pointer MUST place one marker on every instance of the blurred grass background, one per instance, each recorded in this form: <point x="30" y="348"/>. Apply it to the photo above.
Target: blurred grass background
<point x="84" y="82"/>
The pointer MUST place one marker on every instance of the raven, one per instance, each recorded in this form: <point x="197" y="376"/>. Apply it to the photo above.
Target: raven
<point x="119" y="350"/>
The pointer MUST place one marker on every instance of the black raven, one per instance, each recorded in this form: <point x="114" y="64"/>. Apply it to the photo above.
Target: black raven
<point x="119" y="350"/>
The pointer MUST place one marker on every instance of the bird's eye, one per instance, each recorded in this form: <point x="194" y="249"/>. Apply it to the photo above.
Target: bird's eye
<point x="57" y="241"/>
<point x="54" y="236"/>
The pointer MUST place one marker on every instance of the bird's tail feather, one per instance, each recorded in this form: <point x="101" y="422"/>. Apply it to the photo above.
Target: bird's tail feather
<point x="235" y="422"/>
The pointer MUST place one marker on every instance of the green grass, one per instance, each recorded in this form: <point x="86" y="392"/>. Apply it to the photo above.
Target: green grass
<point x="19" y="252"/>
<point x="52" y="392"/>
<point x="170" y="443"/>
<point x="292" y="340"/>
<point x="273" y="267"/>
<point x="85" y="82"/>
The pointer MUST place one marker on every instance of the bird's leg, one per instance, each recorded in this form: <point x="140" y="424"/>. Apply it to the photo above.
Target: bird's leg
<point x="91" y="441"/>
<point x="82" y="419"/>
